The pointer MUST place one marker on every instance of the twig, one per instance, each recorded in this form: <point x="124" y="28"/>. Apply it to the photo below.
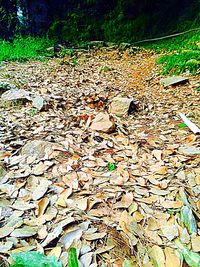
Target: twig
<point x="190" y="124"/>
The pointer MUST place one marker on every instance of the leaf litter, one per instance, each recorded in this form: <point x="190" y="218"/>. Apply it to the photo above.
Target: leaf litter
<point x="79" y="170"/>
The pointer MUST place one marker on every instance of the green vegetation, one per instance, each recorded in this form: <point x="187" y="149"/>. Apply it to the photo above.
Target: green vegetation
<point x="25" y="48"/>
<point x="34" y="259"/>
<point x="181" y="53"/>
<point x="73" y="259"/>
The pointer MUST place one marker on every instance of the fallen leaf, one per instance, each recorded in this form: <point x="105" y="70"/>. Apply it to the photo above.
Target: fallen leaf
<point x="68" y="238"/>
<point x="173" y="258"/>
<point x="196" y="243"/>
<point x="56" y="252"/>
<point x="51" y="236"/>
<point x="5" y="231"/>
<point x="26" y="231"/>
<point x="42" y="205"/>
<point x="95" y="236"/>
<point x="170" y="231"/>
<point x="125" y="202"/>
<point x="157" y="256"/>
<point x="41" y="189"/>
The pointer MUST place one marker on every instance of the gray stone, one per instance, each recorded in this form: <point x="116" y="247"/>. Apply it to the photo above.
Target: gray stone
<point x="38" y="102"/>
<point x="174" y="80"/>
<point x="120" y="106"/>
<point x="15" y="94"/>
<point x="37" y="148"/>
<point x="189" y="150"/>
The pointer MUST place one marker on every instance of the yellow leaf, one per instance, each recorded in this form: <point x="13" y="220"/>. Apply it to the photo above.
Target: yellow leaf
<point x="167" y="204"/>
<point x="157" y="256"/>
<point x="123" y="221"/>
<point x="55" y="252"/>
<point x="137" y="216"/>
<point x="172" y="258"/>
<point x="196" y="243"/>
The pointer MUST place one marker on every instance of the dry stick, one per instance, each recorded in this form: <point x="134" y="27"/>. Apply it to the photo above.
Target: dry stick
<point x="167" y="36"/>
<point x="190" y="124"/>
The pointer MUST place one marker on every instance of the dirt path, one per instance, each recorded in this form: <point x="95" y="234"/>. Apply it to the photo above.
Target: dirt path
<point x="63" y="186"/>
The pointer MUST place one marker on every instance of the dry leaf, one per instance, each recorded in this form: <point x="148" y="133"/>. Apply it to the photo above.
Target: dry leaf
<point x="195" y="243"/>
<point x="26" y="231"/>
<point x="172" y="204"/>
<point x="125" y="202"/>
<point x="56" y="252"/>
<point x="51" y="236"/>
<point x="41" y="189"/>
<point x="94" y="236"/>
<point x="157" y="154"/>
<point x="157" y="256"/>
<point x="68" y="238"/>
<point x="42" y="205"/>
<point x="5" y="231"/>
<point x="172" y="258"/>
<point x="170" y="231"/>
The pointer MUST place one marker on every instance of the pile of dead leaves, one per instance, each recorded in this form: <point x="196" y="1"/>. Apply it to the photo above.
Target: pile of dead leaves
<point x="77" y="168"/>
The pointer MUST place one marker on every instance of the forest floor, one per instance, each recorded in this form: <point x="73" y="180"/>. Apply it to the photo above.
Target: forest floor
<point x="121" y="198"/>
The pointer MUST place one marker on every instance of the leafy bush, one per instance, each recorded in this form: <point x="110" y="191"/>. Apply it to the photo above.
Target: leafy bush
<point x="24" y="48"/>
<point x="180" y="62"/>
<point x="181" y="53"/>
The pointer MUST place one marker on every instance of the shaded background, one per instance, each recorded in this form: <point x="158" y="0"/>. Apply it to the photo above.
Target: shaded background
<point x="115" y="20"/>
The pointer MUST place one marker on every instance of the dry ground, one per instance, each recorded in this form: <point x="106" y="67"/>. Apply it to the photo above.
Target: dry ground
<point x="67" y="196"/>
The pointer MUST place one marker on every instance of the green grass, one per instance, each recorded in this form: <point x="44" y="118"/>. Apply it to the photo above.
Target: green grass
<point x="181" y="53"/>
<point x="24" y="48"/>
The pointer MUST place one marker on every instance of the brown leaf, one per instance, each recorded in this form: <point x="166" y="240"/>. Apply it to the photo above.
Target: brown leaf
<point x="125" y="202"/>
<point x="42" y="205"/>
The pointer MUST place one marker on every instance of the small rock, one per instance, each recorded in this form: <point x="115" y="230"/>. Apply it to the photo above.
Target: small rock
<point x="189" y="150"/>
<point x="103" y="123"/>
<point x="38" y="148"/>
<point x="122" y="106"/>
<point x="38" y="102"/>
<point x="174" y="80"/>
<point x="15" y="94"/>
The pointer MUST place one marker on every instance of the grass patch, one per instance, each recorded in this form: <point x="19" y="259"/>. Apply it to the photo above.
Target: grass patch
<point x="25" y="48"/>
<point x="181" y="53"/>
